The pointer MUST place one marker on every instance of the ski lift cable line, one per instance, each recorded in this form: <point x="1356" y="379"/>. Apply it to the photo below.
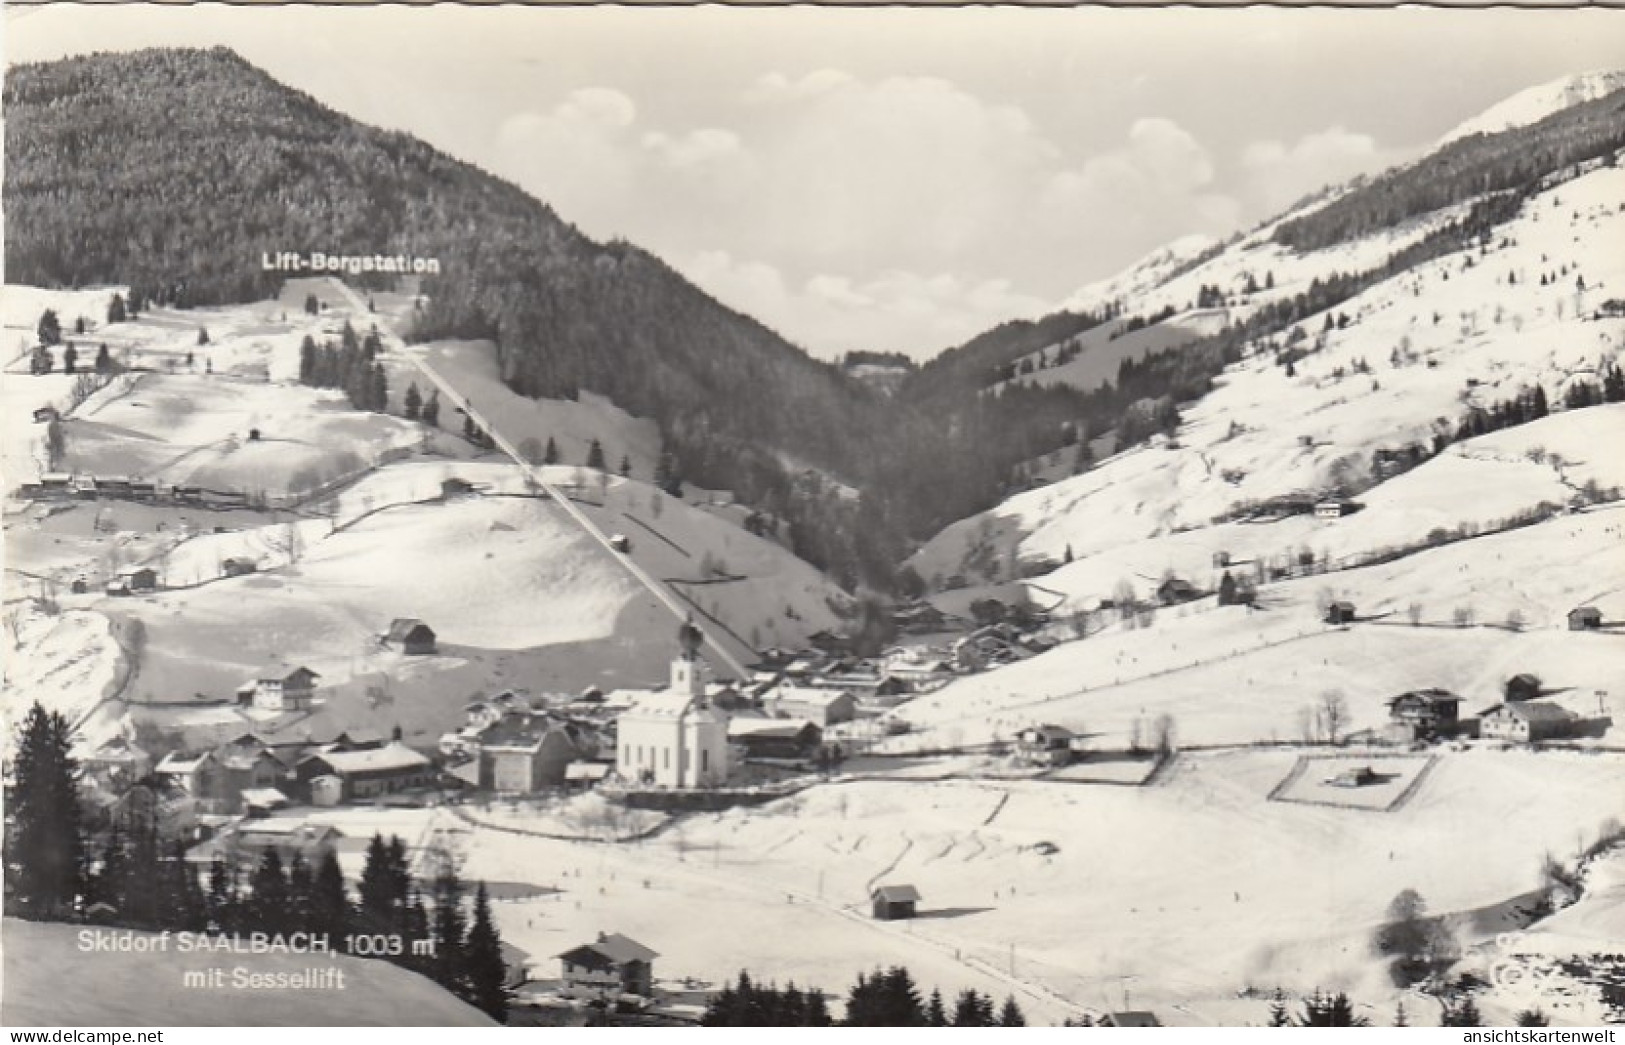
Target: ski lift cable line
<point x="678" y="608"/>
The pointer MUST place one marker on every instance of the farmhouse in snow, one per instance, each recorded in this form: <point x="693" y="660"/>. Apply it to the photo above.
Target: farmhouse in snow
<point x="411" y="636"/>
<point x="1526" y="721"/>
<point x="775" y="737"/>
<point x="821" y="705"/>
<point x="1175" y="590"/>
<point x="523" y="753"/>
<point x="1424" y="713"/>
<point x="1340" y="613"/>
<point x="369" y="772"/>
<point x="1047" y="745"/>
<point x="238" y="567"/>
<point x="612" y="964"/>
<point x="292" y="691"/>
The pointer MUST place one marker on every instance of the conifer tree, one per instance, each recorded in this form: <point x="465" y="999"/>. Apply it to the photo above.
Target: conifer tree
<point x="973" y="1009"/>
<point x="551" y="454"/>
<point x="301" y="892"/>
<point x="431" y="409"/>
<point x="379" y="911"/>
<point x="307" y="361"/>
<point x="487" y="973"/>
<point x="377" y="390"/>
<point x="935" y="1014"/>
<point x="416" y="927"/>
<point x="181" y="895"/>
<point x="595" y="456"/>
<point x="50" y="328"/>
<point x="115" y="309"/>
<point x="1010" y="1015"/>
<point x="142" y="890"/>
<point x="268" y="901"/>
<point x="45" y="849"/>
<point x="449" y="929"/>
<point x="222" y="900"/>
<point x="1463" y="1014"/>
<point x="1330" y="1010"/>
<point x="412" y="402"/>
<point x="106" y="884"/>
<point x="329" y="903"/>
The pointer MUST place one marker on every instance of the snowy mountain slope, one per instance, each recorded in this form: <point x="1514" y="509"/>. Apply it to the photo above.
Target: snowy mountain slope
<point x="1419" y="350"/>
<point x="1536" y="103"/>
<point x="1234" y="675"/>
<point x="572" y="425"/>
<point x="1142" y="276"/>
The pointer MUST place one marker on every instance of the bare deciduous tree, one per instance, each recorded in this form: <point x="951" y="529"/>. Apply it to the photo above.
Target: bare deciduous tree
<point x="1334" y="715"/>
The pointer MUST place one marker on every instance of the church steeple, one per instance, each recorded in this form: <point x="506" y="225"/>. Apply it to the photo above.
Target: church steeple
<point x="687" y="670"/>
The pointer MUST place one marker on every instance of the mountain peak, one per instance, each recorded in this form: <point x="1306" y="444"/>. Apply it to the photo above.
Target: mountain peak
<point x="1538" y="102"/>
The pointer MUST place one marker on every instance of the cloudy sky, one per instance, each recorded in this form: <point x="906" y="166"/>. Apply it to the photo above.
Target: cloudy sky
<point x="897" y="178"/>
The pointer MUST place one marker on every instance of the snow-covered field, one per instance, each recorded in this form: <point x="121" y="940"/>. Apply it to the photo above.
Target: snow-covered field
<point x="1191" y="889"/>
<point x="1238" y="675"/>
<point x="198" y="430"/>
<point x="471" y="367"/>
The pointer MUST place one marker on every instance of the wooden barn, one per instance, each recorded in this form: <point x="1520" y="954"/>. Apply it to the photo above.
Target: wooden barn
<point x="1340" y="613"/>
<point x="1585" y="618"/>
<point x="411" y="636"/>
<point x="894" y="902"/>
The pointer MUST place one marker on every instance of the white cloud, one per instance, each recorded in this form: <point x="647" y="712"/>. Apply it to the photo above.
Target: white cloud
<point x="1156" y="186"/>
<point x="830" y="314"/>
<point x="694" y="149"/>
<point x="574" y="156"/>
<point x="1170" y="155"/>
<point x="1278" y="174"/>
<point x="602" y="106"/>
<point x="905" y="213"/>
<point x="776" y="86"/>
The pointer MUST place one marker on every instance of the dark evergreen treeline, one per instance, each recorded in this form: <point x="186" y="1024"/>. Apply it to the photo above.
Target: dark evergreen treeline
<point x="1471" y="166"/>
<point x="351" y="365"/>
<point x="885" y="998"/>
<point x="869" y="357"/>
<point x="129" y="876"/>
